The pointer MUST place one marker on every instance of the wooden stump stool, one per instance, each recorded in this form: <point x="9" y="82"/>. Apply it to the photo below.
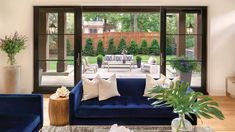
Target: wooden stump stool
<point x="58" y="110"/>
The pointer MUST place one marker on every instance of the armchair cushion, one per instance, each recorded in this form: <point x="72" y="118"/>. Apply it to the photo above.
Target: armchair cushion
<point x="22" y="122"/>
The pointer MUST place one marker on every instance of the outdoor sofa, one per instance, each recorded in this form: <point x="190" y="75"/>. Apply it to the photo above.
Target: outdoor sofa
<point x="117" y="59"/>
<point x="21" y="113"/>
<point x="131" y="108"/>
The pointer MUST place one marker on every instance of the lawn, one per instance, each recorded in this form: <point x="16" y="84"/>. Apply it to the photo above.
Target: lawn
<point x="92" y="60"/>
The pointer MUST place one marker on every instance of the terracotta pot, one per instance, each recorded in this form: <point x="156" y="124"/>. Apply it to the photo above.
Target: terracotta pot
<point x="12" y="79"/>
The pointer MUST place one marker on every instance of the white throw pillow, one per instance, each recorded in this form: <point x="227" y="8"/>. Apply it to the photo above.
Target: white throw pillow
<point x="90" y="88"/>
<point x="108" y="88"/>
<point x="151" y="82"/>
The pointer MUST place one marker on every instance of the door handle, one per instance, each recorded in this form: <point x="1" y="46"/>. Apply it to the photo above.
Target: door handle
<point x="78" y="59"/>
<point x="161" y="59"/>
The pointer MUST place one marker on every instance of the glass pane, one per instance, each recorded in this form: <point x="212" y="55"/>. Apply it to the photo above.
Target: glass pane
<point x="48" y="22"/>
<point x="120" y="37"/>
<point x="193" y="23"/>
<point x="184" y="45"/>
<point x="69" y="23"/>
<point x="48" y="47"/>
<point x="171" y="23"/>
<point x="50" y="77"/>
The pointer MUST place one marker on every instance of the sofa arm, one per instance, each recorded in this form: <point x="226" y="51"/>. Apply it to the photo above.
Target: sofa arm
<point x="75" y="98"/>
<point x="22" y="104"/>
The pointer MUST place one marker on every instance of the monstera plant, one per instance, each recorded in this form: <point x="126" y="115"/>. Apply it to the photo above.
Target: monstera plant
<point x="185" y="102"/>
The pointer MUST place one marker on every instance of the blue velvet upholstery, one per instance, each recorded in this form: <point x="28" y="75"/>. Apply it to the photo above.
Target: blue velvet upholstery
<point x="131" y="108"/>
<point x="21" y="113"/>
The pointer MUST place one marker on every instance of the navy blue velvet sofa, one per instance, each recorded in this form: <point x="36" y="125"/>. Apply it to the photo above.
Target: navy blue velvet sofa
<point x="21" y="113"/>
<point x="131" y="108"/>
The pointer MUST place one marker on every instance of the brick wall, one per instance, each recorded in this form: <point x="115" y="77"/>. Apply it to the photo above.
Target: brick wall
<point x="137" y="36"/>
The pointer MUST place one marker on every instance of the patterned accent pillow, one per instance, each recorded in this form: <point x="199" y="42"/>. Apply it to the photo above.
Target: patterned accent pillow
<point x="129" y="57"/>
<point x="118" y="58"/>
<point x="108" y="58"/>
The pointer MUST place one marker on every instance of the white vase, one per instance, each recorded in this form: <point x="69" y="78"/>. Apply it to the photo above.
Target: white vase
<point x="11" y="79"/>
<point x="181" y="124"/>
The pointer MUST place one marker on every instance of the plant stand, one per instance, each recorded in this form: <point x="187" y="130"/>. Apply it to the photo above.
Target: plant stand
<point x="12" y="79"/>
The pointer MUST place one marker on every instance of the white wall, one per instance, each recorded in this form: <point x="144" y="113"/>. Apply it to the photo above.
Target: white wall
<point x="17" y="15"/>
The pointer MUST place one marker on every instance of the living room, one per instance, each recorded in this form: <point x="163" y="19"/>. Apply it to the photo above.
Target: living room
<point x="130" y="42"/>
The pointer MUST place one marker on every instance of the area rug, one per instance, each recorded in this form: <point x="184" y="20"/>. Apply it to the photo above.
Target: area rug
<point x="104" y="128"/>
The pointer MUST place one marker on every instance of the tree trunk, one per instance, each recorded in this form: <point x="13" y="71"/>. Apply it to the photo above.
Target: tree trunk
<point x="131" y="22"/>
<point x="135" y="22"/>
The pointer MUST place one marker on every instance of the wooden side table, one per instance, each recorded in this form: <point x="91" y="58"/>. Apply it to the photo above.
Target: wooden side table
<point x="58" y="110"/>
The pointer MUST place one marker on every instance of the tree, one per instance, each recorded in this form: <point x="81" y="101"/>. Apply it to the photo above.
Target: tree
<point x="144" y="47"/>
<point x="88" y="50"/>
<point x="111" y="48"/>
<point x="121" y="46"/>
<point x="169" y="46"/>
<point x="155" y="48"/>
<point x="69" y="48"/>
<point x="100" y="48"/>
<point x="133" y="48"/>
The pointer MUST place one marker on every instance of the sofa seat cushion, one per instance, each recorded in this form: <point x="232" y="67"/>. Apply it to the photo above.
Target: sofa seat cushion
<point x="122" y="107"/>
<point x="18" y="123"/>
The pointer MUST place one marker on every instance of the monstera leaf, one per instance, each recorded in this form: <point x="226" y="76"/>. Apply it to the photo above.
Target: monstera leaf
<point x="184" y="101"/>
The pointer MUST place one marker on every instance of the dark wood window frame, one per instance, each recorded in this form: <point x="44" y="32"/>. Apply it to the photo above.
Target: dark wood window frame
<point x="78" y="10"/>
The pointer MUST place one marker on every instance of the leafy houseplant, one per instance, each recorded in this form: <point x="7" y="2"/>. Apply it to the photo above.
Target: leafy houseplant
<point x="185" y="66"/>
<point x="99" y="60"/>
<point x="138" y="61"/>
<point x="12" y="45"/>
<point x="185" y="103"/>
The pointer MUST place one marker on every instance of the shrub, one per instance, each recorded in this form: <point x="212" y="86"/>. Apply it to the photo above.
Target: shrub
<point x="155" y="48"/>
<point x="169" y="48"/>
<point x="100" y="48"/>
<point x="111" y="48"/>
<point x="69" y="48"/>
<point x="88" y="50"/>
<point x="138" y="58"/>
<point x="121" y="46"/>
<point x="144" y="47"/>
<point x="100" y="58"/>
<point x="183" y="64"/>
<point x="133" y="48"/>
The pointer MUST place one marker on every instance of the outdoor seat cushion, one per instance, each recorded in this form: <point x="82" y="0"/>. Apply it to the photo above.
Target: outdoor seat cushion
<point x="18" y="123"/>
<point x="122" y="107"/>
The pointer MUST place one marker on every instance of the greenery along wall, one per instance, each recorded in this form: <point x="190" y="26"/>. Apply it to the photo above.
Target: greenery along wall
<point x="127" y="22"/>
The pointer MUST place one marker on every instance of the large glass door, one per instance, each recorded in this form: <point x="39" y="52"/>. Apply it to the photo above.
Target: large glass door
<point x="56" y="48"/>
<point x="185" y="36"/>
<point x="68" y="40"/>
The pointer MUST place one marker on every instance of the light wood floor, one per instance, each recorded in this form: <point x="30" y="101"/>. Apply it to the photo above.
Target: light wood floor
<point x="227" y="105"/>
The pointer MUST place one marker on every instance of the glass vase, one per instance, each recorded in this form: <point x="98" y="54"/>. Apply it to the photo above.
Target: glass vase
<point x="180" y="124"/>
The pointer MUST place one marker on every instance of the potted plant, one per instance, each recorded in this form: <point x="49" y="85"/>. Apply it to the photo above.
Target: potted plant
<point x="99" y="60"/>
<point x="184" y="66"/>
<point x="138" y="61"/>
<point x="184" y="103"/>
<point x="12" y="45"/>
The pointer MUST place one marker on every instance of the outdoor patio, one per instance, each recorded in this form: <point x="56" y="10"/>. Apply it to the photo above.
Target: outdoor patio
<point x="68" y="80"/>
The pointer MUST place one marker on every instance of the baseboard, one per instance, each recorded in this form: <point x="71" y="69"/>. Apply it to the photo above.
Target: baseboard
<point x="217" y="93"/>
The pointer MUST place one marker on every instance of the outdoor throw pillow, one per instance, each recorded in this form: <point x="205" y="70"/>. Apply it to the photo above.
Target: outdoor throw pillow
<point x="108" y="88"/>
<point x="151" y="82"/>
<point x="90" y="88"/>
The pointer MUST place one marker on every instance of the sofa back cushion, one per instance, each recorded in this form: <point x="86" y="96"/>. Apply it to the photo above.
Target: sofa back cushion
<point x="131" y="86"/>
